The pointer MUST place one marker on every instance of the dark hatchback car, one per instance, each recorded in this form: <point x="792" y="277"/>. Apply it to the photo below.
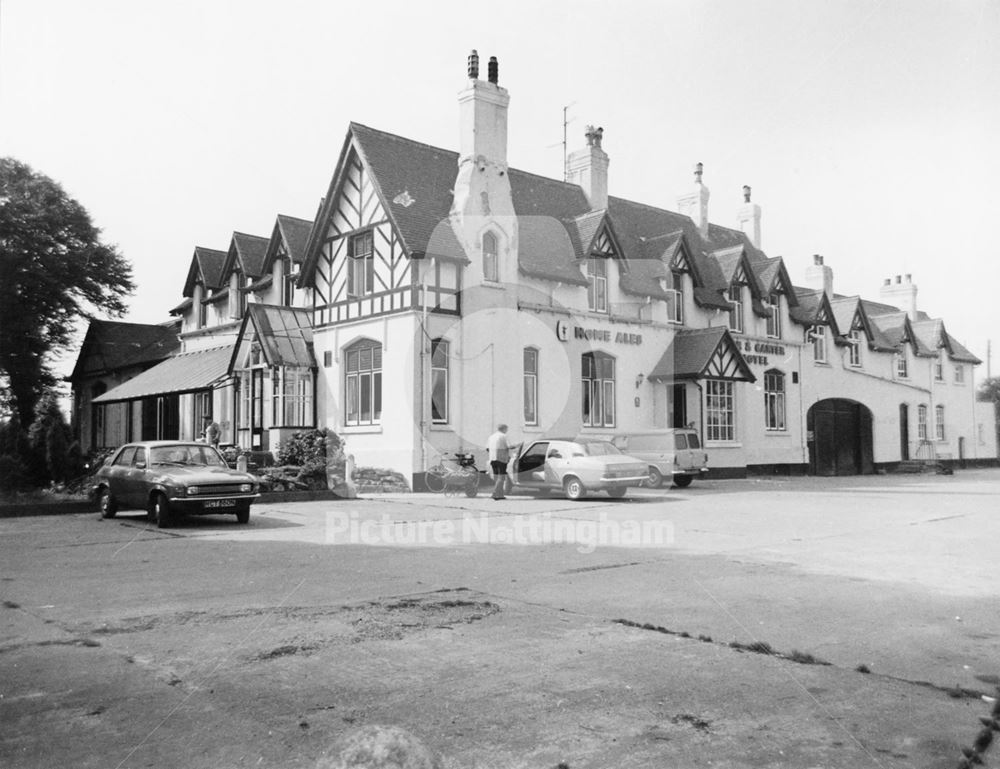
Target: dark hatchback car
<point x="169" y="478"/>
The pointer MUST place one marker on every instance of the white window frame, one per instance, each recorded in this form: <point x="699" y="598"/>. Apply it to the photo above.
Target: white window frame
<point x="902" y="365"/>
<point x="491" y="258"/>
<point x="598" y="382"/>
<point x="361" y="264"/>
<point x="959" y="373"/>
<point x="817" y="335"/>
<point x="292" y="397"/>
<point x="597" y="284"/>
<point x="735" y="296"/>
<point x="360" y="380"/>
<point x="939" y="422"/>
<point x="720" y="411"/>
<point x="939" y="368"/>
<point x="774" y="400"/>
<point x="774" y="317"/>
<point x="854" y="349"/>
<point x="675" y="297"/>
<point x="530" y="389"/>
<point x="922" y="422"/>
<point x="440" y="375"/>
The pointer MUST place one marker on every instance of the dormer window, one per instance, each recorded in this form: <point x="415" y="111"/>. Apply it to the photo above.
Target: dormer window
<point x="818" y="336"/>
<point x="735" y="296"/>
<point x="202" y="308"/>
<point x="854" y="351"/>
<point x="675" y="297"/>
<point x="774" y="316"/>
<point x="959" y="374"/>
<point x="597" y="284"/>
<point x="939" y="368"/>
<point x="287" y="283"/>
<point x="491" y="262"/>
<point x="902" y="365"/>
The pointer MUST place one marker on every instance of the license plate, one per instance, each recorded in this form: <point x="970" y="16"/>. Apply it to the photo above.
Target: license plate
<point x="220" y="503"/>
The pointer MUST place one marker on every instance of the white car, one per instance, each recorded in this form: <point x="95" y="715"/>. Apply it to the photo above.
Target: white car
<point x="574" y="466"/>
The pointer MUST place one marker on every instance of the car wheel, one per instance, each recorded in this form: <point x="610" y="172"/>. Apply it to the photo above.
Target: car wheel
<point x="106" y="503"/>
<point x="655" y="479"/>
<point x="161" y="511"/>
<point x="682" y="481"/>
<point x="616" y="492"/>
<point x="574" y="488"/>
<point x="243" y="515"/>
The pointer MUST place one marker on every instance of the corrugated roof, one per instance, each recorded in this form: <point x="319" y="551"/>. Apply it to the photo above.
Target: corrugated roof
<point x="184" y="372"/>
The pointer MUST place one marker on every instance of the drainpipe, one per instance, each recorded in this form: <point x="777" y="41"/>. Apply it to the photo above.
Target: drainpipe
<point x="423" y="373"/>
<point x="701" y="410"/>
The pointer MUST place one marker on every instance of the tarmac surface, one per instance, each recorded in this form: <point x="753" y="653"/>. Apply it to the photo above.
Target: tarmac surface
<point x="727" y="625"/>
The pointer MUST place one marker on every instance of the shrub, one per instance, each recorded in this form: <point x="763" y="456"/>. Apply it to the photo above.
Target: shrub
<point x="11" y="473"/>
<point x="309" y="447"/>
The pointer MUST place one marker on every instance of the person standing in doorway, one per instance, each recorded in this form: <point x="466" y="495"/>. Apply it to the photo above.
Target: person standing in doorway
<point x="499" y="451"/>
<point x="211" y="432"/>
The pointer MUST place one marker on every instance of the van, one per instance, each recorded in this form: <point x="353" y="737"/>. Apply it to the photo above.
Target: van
<point x="674" y="453"/>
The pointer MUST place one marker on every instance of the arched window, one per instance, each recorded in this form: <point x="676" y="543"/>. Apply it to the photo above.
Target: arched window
<point x="774" y="400"/>
<point x="491" y="261"/>
<point x="598" y="370"/>
<point x="363" y="383"/>
<point x="922" y="422"/>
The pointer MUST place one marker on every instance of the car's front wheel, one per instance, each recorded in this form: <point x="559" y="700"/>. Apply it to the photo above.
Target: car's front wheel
<point x="574" y="488"/>
<point x="106" y="503"/>
<point x="161" y="511"/>
<point x="682" y="481"/>
<point x="655" y="479"/>
<point x="243" y="515"/>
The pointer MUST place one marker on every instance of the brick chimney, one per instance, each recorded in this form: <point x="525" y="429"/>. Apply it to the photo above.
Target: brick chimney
<point x="695" y="203"/>
<point x="901" y="292"/>
<point x="749" y="217"/>
<point x="819" y="276"/>
<point x="588" y="168"/>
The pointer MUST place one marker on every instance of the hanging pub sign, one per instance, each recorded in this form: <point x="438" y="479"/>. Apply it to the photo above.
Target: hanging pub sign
<point x="564" y="331"/>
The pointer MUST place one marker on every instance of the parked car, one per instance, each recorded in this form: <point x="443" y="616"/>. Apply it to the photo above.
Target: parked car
<point x="672" y="453"/>
<point x="574" y="466"/>
<point x="168" y="478"/>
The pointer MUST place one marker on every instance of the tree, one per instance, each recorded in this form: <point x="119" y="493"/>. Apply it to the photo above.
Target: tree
<point x="989" y="392"/>
<point x="54" y="270"/>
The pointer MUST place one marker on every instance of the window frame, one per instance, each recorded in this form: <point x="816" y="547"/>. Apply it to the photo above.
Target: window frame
<point x="597" y="279"/>
<point x="922" y="422"/>
<point x="817" y="335"/>
<point x="736" y="320"/>
<point x="675" y="297"/>
<point x="491" y="258"/>
<point x="854" y="353"/>
<point x="365" y="381"/>
<point x="440" y="371"/>
<point x="598" y="389"/>
<point x="773" y="330"/>
<point x="530" y="386"/>
<point x="775" y="414"/>
<point x="361" y="264"/>
<point x="292" y="395"/>
<point x="902" y="365"/>
<point x="720" y="411"/>
<point x="959" y="374"/>
<point x="939" y="431"/>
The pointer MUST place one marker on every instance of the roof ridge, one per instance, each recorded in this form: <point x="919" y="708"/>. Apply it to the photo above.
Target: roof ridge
<point x="354" y="124"/>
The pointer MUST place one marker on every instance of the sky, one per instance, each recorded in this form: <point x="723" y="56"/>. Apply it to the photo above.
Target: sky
<point x="866" y="128"/>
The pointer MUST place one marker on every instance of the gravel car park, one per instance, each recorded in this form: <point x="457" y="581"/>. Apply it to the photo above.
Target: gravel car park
<point x="172" y="478"/>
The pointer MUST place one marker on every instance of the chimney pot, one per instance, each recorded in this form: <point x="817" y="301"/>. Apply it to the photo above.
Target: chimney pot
<point x="909" y="277"/>
<point x="493" y="70"/>
<point x="698" y="170"/>
<point x="817" y="259"/>
<point x="887" y="282"/>
<point x="899" y="278"/>
<point x="746" y="193"/>
<point x="473" y="65"/>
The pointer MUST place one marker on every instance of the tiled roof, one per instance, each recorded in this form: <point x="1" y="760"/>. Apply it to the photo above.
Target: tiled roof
<point x="959" y="352"/>
<point x="296" y="234"/>
<point x="112" y="346"/>
<point x="690" y="353"/>
<point x="251" y="251"/>
<point x="809" y="304"/>
<point x="184" y="372"/>
<point x="182" y="307"/>
<point x="206" y="264"/>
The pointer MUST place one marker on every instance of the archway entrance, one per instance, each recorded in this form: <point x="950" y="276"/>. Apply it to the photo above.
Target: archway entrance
<point x="840" y="438"/>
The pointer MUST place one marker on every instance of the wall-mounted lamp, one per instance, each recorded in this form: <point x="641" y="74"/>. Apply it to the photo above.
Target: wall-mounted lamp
<point x="638" y="379"/>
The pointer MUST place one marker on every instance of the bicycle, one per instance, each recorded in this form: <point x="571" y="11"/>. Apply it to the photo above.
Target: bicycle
<point x="453" y="481"/>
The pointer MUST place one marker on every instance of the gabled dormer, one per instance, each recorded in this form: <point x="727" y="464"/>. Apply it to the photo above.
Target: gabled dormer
<point x="243" y="266"/>
<point x="283" y="260"/>
<point x="204" y="281"/>
<point x="741" y="282"/>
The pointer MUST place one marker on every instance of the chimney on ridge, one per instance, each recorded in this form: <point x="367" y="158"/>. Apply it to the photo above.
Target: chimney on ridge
<point x="483" y="115"/>
<point x="588" y="168"/>
<point x="695" y="203"/>
<point x="901" y="292"/>
<point x="749" y="217"/>
<point x="819" y="276"/>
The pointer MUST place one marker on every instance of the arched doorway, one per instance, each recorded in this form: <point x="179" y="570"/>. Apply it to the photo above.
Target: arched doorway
<point x="840" y="438"/>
